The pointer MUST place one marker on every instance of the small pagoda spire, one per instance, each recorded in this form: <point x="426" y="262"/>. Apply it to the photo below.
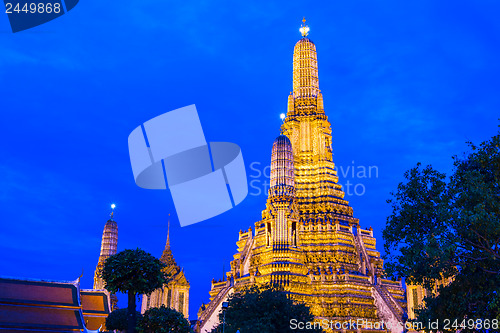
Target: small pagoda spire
<point x="304" y="29"/>
<point x="109" y="245"/>
<point x="282" y="167"/>
<point x="168" y="233"/>
<point x="167" y="256"/>
<point x="109" y="241"/>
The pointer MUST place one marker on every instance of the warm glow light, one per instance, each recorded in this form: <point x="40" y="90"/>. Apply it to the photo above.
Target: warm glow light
<point x="304" y="30"/>
<point x="113" y="206"/>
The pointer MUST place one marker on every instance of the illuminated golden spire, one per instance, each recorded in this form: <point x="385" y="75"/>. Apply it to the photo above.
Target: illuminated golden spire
<point x="112" y="210"/>
<point x="109" y="242"/>
<point x="109" y="245"/>
<point x="304" y="29"/>
<point x="308" y="241"/>
<point x="308" y="128"/>
<point x="305" y="67"/>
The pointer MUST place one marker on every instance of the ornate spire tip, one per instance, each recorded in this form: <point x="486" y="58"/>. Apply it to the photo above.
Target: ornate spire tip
<point x="112" y="210"/>
<point x="304" y="29"/>
<point x="168" y="232"/>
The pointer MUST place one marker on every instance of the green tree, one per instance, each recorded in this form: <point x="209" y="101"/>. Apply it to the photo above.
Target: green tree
<point x="163" y="320"/>
<point x="443" y="227"/>
<point x="265" y="310"/>
<point x="117" y="320"/>
<point x="133" y="272"/>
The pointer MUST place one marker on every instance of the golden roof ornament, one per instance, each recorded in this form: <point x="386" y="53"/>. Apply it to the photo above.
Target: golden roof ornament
<point x="304" y="29"/>
<point x="167" y="256"/>
<point x="112" y="210"/>
<point x="168" y="232"/>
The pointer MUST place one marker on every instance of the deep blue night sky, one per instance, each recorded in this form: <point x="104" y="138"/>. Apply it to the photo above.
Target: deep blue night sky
<point x="403" y="82"/>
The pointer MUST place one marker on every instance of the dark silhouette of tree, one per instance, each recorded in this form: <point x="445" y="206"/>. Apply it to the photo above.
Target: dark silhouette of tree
<point x="134" y="272"/>
<point x="117" y="320"/>
<point x="450" y="228"/>
<point x="264" y="309"/>
<point x="163" y="320"/>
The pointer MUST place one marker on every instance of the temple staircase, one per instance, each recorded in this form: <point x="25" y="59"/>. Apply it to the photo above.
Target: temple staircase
<point x="209" y="319"/>
<point x="390" y="312"/>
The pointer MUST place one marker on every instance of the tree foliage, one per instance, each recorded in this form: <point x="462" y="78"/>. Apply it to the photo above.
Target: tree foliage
<point x="162" y="320"/>
<point x="117" y="320"/>
<point x="133" y="272"/>
<point x="449" y="227"/>
<point x="264" y="309"/>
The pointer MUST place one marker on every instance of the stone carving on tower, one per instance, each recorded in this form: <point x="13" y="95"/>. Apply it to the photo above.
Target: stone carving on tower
<point x="308" y="241"/>
<point x="109" y="245"/>
<point x="175" y="293"/>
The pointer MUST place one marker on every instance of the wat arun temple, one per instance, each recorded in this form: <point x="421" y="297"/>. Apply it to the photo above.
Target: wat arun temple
<point x="308" y="241"/>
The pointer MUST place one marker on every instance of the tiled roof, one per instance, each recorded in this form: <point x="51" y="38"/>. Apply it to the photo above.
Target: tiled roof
<point x="49" y="306"/>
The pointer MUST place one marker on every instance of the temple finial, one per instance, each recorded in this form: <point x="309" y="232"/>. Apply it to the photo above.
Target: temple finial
<point x="304" y="29"/>
<point x="168" y="232"/>
<point x="112" y="210"/>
